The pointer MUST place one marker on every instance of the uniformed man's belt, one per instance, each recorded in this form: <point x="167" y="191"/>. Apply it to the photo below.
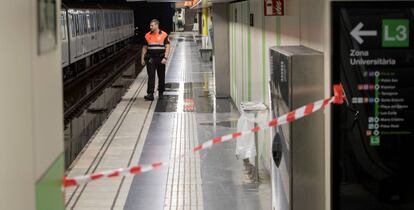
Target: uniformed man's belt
<point x="156" y="48"/>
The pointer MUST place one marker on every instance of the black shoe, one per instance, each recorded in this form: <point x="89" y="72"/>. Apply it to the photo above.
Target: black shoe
<point x="149" y="97"/>
<point x="160" y="95"/>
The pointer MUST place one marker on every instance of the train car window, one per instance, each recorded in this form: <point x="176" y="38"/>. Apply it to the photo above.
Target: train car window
<point x="85" y="24"/>
<point x="81" y="24"/>
<point x="110" y="20"/>
<point x="95" y="17"/>
<point x="99" y="21"/>
<point x="106" y="21"/>
<point x="62" y="26"/>
<point x="77" y="25"/>
<point x="72" y="25"/>
<point x="88" y="23"/>
<point x="113" y="20"/>
<point x="79" y="20"/>
<point x="122" y="18"/>
<point x="94" y="24"/>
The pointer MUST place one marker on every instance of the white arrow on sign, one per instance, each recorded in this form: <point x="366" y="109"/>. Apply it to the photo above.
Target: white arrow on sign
<point x="357" y="33"/>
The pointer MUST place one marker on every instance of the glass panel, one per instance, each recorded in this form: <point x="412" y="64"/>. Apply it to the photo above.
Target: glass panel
<point x="88" y="23"/>
<point x="62" y="26"/>
<point x="77" y="25"/>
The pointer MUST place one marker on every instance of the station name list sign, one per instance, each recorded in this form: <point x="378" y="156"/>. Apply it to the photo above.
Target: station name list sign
<point x="373" y="57"/>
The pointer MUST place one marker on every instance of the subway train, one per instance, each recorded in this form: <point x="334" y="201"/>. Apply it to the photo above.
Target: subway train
<point x="91" y="34"/>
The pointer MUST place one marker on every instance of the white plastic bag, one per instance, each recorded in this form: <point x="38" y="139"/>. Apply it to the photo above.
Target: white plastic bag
<point x="245" y="145"/>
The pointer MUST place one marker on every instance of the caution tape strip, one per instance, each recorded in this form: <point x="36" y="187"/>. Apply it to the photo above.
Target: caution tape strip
<point x="301" y="112"/>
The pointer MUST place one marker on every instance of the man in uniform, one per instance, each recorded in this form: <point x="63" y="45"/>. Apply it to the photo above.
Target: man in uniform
<point x="155" y="54"/>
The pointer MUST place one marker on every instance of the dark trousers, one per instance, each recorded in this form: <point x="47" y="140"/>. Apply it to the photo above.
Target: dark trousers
<point x="154" y="65"/>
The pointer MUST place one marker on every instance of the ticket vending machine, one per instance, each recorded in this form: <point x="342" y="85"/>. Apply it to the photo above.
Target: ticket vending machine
<point x="298" y="148"/>
<point x="373" y="137"/>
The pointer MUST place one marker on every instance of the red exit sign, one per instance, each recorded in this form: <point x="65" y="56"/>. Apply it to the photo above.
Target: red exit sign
<point x="274" y="7"/>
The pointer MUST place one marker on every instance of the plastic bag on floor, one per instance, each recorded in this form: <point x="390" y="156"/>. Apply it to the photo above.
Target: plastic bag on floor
<point x="245" y="145"/>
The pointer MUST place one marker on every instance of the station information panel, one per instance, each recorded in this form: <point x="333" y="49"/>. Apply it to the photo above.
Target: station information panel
<point x="373" y="137"/>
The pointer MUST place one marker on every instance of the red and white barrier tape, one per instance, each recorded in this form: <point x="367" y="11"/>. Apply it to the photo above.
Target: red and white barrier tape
<point x="133" y="170"/>
<point x="301" y="112"/>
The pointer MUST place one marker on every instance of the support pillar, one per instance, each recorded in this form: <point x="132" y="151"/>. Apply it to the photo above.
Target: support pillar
<point x="221" y="49"/>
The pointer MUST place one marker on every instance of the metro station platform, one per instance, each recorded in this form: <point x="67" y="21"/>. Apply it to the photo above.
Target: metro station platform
<point x="142" y="132"/>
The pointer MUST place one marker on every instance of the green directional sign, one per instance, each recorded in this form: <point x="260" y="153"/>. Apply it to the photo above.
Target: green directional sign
<point x="374" y="140"/>
<point x="395" y="33"/>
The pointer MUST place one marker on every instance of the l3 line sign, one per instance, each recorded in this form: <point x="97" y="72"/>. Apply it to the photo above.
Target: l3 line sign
<point x="373" y="138"/>
<point x="394" y="33"/>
